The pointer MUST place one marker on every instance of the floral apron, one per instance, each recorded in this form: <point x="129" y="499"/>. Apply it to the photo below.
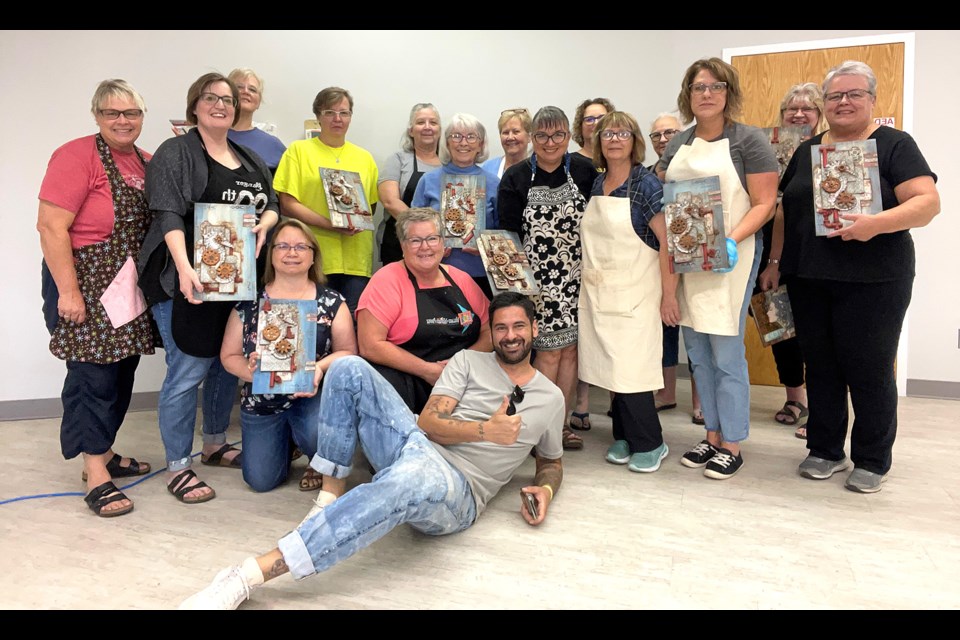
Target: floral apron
<point x="95" y="340"/>
<point x="551" y="228"/>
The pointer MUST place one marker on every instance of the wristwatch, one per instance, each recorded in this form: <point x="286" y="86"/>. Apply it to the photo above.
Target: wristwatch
<point x="774" y="261"/>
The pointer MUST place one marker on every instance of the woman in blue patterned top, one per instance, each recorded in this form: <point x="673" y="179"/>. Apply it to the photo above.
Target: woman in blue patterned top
<point x="268" y="421"/>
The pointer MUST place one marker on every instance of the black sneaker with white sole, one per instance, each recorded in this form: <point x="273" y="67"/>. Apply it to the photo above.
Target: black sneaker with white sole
<point x="699" y="455"/>
<point x="723" y="465"/>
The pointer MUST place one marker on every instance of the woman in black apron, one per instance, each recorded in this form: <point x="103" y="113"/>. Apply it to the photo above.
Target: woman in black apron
<point x="416" y="313"/>
<point x="401" y="173"/>
<point x="89" y="236"/>
<point x="200" y="166"/>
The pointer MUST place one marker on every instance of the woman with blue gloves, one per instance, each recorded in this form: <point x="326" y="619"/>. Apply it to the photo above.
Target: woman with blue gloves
<point x="712" y="306"/>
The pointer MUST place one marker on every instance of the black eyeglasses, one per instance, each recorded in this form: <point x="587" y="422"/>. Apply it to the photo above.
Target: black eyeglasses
<point x="515" y="398"/>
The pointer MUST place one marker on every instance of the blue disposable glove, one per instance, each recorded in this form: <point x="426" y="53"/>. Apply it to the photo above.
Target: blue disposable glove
<point x="732" y="256"/>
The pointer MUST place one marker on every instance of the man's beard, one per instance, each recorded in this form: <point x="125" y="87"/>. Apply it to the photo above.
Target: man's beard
<point x="523" y="355"/>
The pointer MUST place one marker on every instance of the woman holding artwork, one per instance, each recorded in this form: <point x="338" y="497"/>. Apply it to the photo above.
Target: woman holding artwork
<point x="801" y="106"/>
<point x="850" y="290"/>
<point x="347" y="251"/>
<point x="542" y="200"/>
<point x="623" y="235"/>
<point x="514" y="126"/>
<point x="416" y="314"/>
<point x="418" y="154"/>
<point x="201" y="166"/>
<point x="268" y="422"/>
<point x="464" y="148"/>
<point x="713" y="305"/>
<point x="92" y="218"/>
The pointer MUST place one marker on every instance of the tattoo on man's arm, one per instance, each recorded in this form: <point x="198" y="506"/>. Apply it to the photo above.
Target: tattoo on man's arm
<point x="278" y="569"/>
<point x="549" y="472"/>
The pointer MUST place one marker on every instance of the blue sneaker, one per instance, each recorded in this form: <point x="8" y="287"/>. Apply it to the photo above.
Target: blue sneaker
<point x="648" y="461"/>
<point x="619" y="452"/>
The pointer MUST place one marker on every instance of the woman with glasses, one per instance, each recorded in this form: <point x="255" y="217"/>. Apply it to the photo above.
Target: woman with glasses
<point x="204" y="166"/>
<point x="623" y="235"/>
<point x="464" y="148"/>
<point x="850" y="289"/>
<point x="585" y="119"/>
<point x="418" y="154"/>
<point x="801" y="106"/>
<point x="416" y="313"/>
<point x="712" y="305"/>
<point x="543" y="200"/>
<point x="347" y="252"/>
<point x="92" y="218"/>
<point x="268" y="422"/>
<point x="662" y="131"/>
<point x="514" y="126"/>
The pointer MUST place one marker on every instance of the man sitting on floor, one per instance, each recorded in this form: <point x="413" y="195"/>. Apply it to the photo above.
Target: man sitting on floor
<point x="486" y="411"/>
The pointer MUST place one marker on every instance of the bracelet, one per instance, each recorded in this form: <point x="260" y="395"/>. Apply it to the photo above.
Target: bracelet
<point x="550" y="489"/>
<point x="480" y="429"/>
<point x="774" y="261"/>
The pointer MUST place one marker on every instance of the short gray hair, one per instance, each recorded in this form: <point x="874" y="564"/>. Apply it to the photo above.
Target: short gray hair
<point x="852" y="68"/>
<point x="666" y="114"/>
<point x="115" y="88"/>
<point x="418" y="214"/>
<point x="465" y="123"/>
<point x="406" y="141"/>
<point x="551" y="117"/>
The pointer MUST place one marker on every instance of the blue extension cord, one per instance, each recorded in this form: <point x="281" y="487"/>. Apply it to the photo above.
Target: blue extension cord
<point x="81" y="494"/>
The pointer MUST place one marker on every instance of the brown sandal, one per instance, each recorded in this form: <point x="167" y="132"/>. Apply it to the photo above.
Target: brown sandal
<point x="312" y="480"/>
<point x="571" y="441"/>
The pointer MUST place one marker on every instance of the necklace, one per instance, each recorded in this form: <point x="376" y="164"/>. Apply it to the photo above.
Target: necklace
<point x="859" y="136"/>
<point x="336" y="156"/>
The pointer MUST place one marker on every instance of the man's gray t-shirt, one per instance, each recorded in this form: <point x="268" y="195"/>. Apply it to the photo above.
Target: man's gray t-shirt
<point x="478" y="384"/>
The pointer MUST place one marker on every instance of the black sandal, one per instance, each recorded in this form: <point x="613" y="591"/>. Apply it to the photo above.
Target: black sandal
<point x="178" y="488"/>
<point x="105" y="494"/>
<point x="216" y="458"/>
<point x="787" y="417"/>
<point x="582" y="418"/>
<point x="116" y="471"/>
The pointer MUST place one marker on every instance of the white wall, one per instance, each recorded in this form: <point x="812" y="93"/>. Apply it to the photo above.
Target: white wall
<point x="48" y="78"/>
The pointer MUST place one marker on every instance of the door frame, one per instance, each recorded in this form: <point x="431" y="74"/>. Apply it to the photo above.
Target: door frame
<point x="909" y="49"/>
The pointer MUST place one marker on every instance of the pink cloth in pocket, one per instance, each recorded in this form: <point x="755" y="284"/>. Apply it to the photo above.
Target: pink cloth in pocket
<point x="123" y="301"/>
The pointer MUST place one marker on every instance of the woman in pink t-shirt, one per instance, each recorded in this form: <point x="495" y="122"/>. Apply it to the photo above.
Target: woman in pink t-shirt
<point x="416" y="313"/>
<point x="92" y="220"/>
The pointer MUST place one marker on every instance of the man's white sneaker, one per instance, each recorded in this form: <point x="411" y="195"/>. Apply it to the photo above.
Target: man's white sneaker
<point x="227" y="591"/>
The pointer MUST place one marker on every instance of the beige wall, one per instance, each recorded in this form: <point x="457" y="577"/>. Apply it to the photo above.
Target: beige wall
<point x="49" y="76"/>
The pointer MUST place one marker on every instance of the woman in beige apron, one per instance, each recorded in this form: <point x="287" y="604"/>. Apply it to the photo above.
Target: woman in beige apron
<point x="713" y="305"/>
<point x="620" y="293"/>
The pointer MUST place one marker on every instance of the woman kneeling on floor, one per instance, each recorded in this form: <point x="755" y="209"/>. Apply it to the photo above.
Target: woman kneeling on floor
<point x="267" y="421"/>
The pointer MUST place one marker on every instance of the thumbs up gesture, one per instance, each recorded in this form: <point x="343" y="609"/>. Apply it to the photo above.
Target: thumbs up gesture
<point x="501" y="428"/>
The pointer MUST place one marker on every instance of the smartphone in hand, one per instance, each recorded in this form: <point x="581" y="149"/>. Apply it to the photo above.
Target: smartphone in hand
<point x="531" y="502"/>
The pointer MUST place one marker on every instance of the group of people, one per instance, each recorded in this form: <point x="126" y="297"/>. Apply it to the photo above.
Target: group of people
<point x="456" y="387"/>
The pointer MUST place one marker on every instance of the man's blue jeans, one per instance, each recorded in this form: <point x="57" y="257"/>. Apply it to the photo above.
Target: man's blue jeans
<point x="413" y="483"/>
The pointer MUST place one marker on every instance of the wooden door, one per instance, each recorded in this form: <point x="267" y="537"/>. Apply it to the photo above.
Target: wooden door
<point x="765" y="78"/>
